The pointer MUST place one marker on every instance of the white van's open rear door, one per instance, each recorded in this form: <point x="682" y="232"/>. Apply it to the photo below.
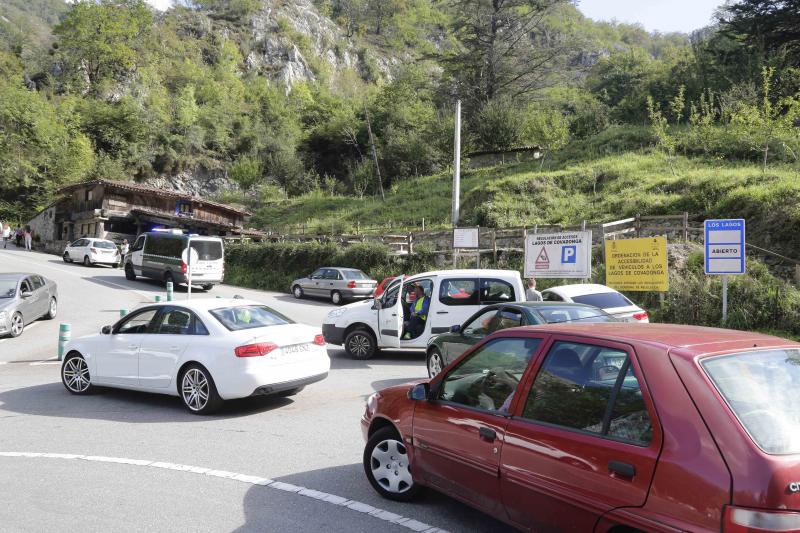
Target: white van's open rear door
<point x="391" y="318"/>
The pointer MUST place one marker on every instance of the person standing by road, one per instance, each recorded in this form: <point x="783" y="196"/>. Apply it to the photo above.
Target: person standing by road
<point x="28" y="235"/>
<point x="6" y="232"/>
<point x="531" y="294"/>
<point x="18" y="236"/>
<point x="123" y="251"/>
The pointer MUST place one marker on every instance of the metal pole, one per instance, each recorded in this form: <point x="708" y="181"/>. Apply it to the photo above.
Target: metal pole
<point x="189" y="270"/>
<point x="457" y="165"/>
<point x="724" y="299"/>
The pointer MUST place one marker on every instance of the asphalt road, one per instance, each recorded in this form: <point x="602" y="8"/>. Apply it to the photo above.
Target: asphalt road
<point x="127" y="461"/>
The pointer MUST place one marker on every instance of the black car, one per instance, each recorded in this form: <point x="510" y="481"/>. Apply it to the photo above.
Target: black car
<point x="447" y="347"/>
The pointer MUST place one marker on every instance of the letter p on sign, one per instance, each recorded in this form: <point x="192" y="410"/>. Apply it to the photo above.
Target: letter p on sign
<point x="569" y="254"/>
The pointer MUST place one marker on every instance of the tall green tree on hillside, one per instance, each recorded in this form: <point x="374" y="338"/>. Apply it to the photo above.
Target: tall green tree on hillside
<point x="104" y="40"/>
<point x="498" y="53"/>
<point x="767" y="25"/>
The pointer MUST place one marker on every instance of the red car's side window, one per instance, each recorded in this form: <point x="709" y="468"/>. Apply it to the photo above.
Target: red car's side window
<point x="592" y="389"/>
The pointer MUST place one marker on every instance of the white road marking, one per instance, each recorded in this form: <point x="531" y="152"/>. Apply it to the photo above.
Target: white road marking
<point x="331" y="499"/>
<point x="38" y="363"/>
<point x="3" y="362"/>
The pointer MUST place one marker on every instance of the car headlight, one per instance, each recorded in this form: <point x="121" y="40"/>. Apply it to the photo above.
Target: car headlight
<point x="337" y="312"/>
<point x="3" y="316"/>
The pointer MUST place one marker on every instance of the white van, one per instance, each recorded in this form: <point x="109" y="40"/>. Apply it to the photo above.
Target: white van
<point x="165" y="256"/>
<point x="365" y="327"/>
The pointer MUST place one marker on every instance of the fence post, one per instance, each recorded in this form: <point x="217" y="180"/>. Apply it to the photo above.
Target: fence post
<point x="638" y="225"/>
<point x="423" y="223"/>
<point x="583" y="226"/>
<point x="494" y="246"/>
<point x="358" y="227"/>
<point x="685" y="226"/>
<point x="603" y="242"/>
<point x="410" y="242"/>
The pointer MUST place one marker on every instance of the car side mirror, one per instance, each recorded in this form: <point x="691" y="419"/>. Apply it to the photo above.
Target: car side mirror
<point x="106" y="330"/>
<point x="419" y="392"/>
<point x="26" y="294"/>
<point x="376" y="303"/>
<point x="455" y="329"/>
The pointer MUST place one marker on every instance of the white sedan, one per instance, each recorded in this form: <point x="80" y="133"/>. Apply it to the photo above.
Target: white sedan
<point x="204" y="351"/>
<point x="606" y="298"/>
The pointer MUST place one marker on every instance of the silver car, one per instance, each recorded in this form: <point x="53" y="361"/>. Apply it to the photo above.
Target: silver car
<point x="338" y="284"/>
<point x="23" y="299"/>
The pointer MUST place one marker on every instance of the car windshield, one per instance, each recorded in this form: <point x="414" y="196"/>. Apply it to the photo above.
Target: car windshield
<point x="207" y="250"/>
<point x="354" y="274"/>
<point x="104" y="244"/>
<point x="249" y="317"/>
<point x="564" y="313"/>
<point x="603" y="300"/>
<point x="8" y="288"/>
<point x="761" y="390"/>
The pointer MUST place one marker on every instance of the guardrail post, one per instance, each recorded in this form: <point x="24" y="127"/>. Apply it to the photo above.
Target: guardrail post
<point x="170" y="289"/>
<point x="64" y="334"/>
<point x="638" y="225"/>
<point x="410" y="242"/>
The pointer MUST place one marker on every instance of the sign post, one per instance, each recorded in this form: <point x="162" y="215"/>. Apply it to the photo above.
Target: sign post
<point x="724" y="252"/>
<point x="637" y="264"/>
<point x="189" y="256"/>
<point x="558" y="255"/>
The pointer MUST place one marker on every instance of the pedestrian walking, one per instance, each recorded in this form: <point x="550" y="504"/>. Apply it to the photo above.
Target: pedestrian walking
<point x="123" y="251"/>
<point x="531" y="294"/>
<point x="18" y="237"/>
<point x="28" y="235"/>
<point x="6" y="235"/>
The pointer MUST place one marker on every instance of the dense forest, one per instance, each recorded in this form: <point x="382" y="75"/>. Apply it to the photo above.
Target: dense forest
<point x="354" y="96"/>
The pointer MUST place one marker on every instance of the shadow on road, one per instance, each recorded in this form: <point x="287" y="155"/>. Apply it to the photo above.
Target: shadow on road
<point x="341" y="361"/>
<point x="310" y="301"/>
<point x="117" y="405"/>
<point x="264" y="510"/>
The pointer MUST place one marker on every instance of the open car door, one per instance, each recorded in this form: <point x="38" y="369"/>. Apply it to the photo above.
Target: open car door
<point x="390" y="315"/>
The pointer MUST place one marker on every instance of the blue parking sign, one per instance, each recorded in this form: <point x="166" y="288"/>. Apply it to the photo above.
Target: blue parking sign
<point x="724" y="246"/>
<point x="569" y="254"/>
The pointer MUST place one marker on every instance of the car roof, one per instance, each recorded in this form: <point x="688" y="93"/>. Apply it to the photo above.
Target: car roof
<point x="688" y="341"/>
<point x="205" y="304"/>
<point x="579" y="288"/>
<point x="15" y="275"/>
<point x="470" y="272"/>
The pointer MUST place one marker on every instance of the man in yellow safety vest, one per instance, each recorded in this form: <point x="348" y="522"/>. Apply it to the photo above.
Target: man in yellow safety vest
<point x="418" y="313"/>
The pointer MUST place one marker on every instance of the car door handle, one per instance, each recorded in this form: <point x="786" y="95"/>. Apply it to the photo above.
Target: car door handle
<point x="442" y="313"/>
<point x="622" y="469"/>
<point x="133" y="347"/>
<point x="487" y="434"/>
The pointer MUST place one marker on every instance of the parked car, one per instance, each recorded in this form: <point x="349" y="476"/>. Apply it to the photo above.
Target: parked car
<point x="365" y="327"/>
<point x="602" y="427"/>
<point x="165" y="256"/>
<point x="25" y="298"/>
<point x="606" y="298"/>
<point x="338" y="284"/>
<point x="203" y="350"/>
<point x="447" y="347"/>
<point x="92" y="252"/>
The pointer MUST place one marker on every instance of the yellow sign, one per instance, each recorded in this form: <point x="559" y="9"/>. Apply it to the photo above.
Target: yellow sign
<point x="637" y="264"/>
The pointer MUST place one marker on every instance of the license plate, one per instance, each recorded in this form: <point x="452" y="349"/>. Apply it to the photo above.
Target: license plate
<point x="295" y="348"/>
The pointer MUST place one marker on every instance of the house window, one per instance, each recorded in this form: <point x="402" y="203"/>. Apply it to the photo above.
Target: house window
<point x="183" y="208"/>
<point x="89" y="195"/>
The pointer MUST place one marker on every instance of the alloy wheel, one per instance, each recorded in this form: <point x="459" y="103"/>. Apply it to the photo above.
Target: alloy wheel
<point x="359" y="345"/>
<point x="53" y="308"/>
<point x="194" y="388"/>
<point x="390" y="469"/>
<point x="76" y="375"/>
<point x="336" y="298"/>
<point x="435" y="364"/>
<point x="17" y="325"/>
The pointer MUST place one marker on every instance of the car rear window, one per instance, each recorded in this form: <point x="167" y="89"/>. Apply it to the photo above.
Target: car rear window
<point x="761" y="390"/>
<point x="207" y="250"/>
<point x="104" y="244"/>
<point x="603" y="300"/>
<point x="248" y="317"/>
<point x="354" y="274"/>
<point x="555" y="314"/>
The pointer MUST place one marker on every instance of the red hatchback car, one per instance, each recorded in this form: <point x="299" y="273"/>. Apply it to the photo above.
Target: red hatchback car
<point x="602" y="427"/>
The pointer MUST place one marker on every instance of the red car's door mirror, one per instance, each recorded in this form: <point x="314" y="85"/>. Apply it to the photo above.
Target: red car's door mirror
<point x="419" y="392"/>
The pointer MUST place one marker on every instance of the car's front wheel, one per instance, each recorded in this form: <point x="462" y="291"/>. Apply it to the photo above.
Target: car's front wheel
<point x="297" y="291"/>
<point x="52" y="309"/>
<point x="198" y="392"/>
<point x="17" y="324"/>
<point x="435" y="362"/>
<point x="66" y="257"/>
<point x="129" y="273"/>
<point x="360" y="344"/>
<point x="387" y="467"/>
<point x="75" y="374"/>
<point x="336" y="297"/>
<point x="86" y="261"/>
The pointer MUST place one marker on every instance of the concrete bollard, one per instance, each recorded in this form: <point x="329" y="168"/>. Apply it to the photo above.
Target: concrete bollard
<point x="123" y="312"/>
<point x="64" y="334"/>
<point x="169" y="291"/>
<point x="158" y="298"/>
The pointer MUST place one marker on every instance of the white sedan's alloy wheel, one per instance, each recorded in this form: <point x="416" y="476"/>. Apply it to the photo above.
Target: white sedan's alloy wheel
<point x="76" y="375"/>
<point x="17" y="325"/>
<point x="195" y="389"/>
<point x="390" y="466"/>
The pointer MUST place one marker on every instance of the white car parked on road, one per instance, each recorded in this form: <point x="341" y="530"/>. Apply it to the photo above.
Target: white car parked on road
<point x="203" y="350"/>
<point x="606" y="298"/>
<point x="92" y="252"/>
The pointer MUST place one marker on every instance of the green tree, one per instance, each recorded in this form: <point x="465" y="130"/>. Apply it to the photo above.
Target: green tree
<point x="659" y="128"/>
<point x="547" y="128"/>
<point x="499" y="125"/>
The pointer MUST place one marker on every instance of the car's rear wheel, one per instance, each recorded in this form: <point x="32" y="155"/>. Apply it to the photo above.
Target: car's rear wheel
<point x="387" y="467"/>
<point x="198" y="392"/>
<point x="360" y="344"/>
<point x="17" y="324"/>
<point x="75" y="374"/>
<point x="435" y="362"/>
<point x="66" y="257"/>
<point x="52" y="309"/>
<point x="336" y="297"/>
<point x="129" y="273"/>
<point x="86" y="261"/>
<point x="297" y="291"/>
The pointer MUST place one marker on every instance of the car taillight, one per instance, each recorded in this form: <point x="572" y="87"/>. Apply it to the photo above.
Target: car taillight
<point x="93" y="250"/>
<point x="184" y="268"/>
<point x="255" y="350"/>
<point x="319" y="340"/>
<point x="351" y="284"/>
<point x="641" y="316"/>
<point x="741" y="520"/>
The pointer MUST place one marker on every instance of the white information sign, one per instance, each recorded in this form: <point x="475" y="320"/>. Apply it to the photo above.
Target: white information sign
<point x="724" y="244"/>
<point x="465" y="238"/>
<point x="558" y="255"/>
